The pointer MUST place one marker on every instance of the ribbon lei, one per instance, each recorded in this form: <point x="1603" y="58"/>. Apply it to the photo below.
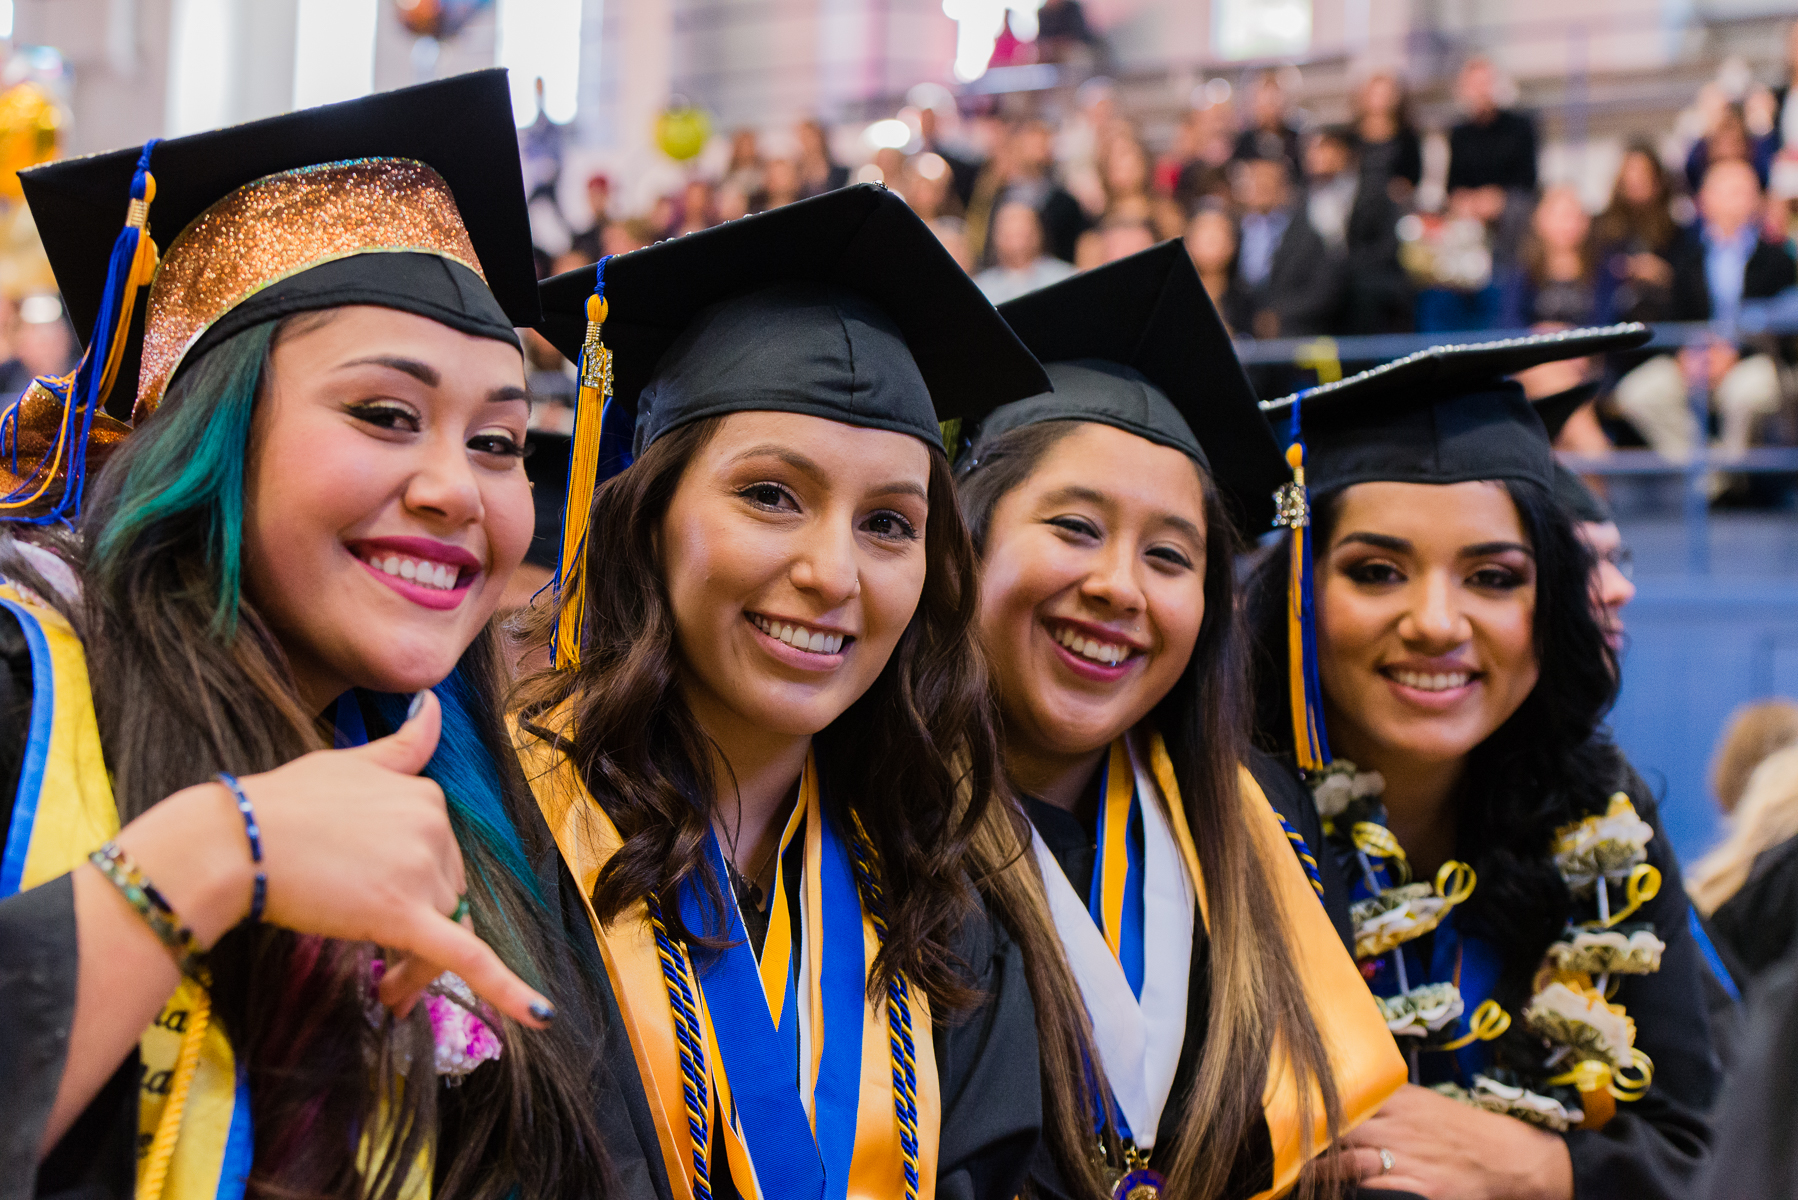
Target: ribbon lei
<point x="84" y="393"/>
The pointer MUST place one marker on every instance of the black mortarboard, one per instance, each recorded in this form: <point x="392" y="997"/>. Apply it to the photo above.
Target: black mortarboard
<point x="1138" y="345"/>
<point x="843" y="306"/>
<point x="461" y="128"/>
<point x="1572" y="492"/>
<point x="1444" y="415"/>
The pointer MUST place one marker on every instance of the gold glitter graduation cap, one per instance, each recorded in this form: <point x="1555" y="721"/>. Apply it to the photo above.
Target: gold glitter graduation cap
<point x="411" y="200"/>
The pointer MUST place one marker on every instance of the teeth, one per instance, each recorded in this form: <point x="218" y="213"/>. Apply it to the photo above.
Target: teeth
<point x="1109" y="653"/>
<point x="800" y="638"/>
<point x="440" y="576"/>
<point x="1427" y="681"/>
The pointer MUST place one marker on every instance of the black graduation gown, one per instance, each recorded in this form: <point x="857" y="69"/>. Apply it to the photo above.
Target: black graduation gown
<point x="96" y="1158"/>
<point x="1073" y="841"/>
<point x="1656" y="1147"/>
<point x="1757" y="1117"/>
<point x="986" y="1061"/>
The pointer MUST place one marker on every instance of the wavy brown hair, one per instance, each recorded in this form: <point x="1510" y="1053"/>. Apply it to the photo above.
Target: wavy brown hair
<point x="196" y="683"/>
<point x="914" y="758"/>
<point x="1257" y="1000"/>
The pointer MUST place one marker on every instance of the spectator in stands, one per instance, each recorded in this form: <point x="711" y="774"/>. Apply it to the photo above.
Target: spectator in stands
<point x="1271" y="132"/>
<point x="1294" y="285"/>
<point x="963" y="167"/>
<point x="743" y="173"/>
<point x="1062" y="31"/>
<point x="1115" y="238"/>
<point x="1390" y="150"/>
<point x="1729" y="138"/>
<point x="697" y="209"/>
<point x="1198" y="167"/>
<point x="1125" y="177"/>
<point x="586" y="243"/>
<point x="1358" y="221"/>
<point x="1021" y="168"/>
<point x="818" y="171"/>
<point x="1782" y="187"/>
<point x="1211" y="241"/>
<point x="781" y="184"/>
<point x="1633" y="238"/>
<point x="1019" y="262"/>
<point x="1720" y="263"/>
<point x="1492" y="160"/>
<point x="1555" y="283"/>
<point x="928" y="184"/>
<point x="1752" y="732"/>
<point x="1748" y="886"/>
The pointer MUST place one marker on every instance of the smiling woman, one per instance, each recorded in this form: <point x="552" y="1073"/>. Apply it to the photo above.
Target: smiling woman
<point x="1516" y="907"/>
<point x="766" y="745"/>
<point x="238" y="944"/>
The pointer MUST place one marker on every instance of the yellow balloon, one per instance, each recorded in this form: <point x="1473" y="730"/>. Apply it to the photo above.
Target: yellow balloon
<point x="30" y="133"/>
<point x="682" y="132"/>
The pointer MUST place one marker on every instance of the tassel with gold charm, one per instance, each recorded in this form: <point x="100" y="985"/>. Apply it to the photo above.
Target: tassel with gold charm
<point x="1293" y="510"/>
<point x="583" y="472"/>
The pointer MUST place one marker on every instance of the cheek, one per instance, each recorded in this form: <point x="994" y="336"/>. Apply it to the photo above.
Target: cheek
<point x="891" y="591"/>
<point x="511" y="519"/>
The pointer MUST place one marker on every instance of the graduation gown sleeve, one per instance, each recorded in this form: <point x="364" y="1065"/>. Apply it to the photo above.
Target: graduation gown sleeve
<point x="1659" y="1145"/>
<point x="1757" y="1120"/>
<point x="991" y="1079"/>
<point x="37" y="994"/>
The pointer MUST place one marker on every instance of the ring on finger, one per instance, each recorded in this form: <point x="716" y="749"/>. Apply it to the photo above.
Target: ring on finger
<point x="1386" y="1160"/>
<point x="461" y="913"/>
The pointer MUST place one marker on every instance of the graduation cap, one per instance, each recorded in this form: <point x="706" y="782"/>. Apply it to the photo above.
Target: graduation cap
<point x="1572" y="492"/>
<point x="1137" y="345"/>
<point x="411" y="199"/>
<point x="844" y="306"/>
<point x="1444" y="415"/>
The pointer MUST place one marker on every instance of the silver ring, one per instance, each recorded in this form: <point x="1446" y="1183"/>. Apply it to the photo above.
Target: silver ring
<point x="1385" y="1161"/>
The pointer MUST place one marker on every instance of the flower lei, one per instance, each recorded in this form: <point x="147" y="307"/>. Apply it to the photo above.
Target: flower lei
<point x="1588" y="1058"/>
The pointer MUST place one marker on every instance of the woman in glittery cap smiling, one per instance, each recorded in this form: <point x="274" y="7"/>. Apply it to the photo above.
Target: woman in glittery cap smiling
<point x="260" y="858"/>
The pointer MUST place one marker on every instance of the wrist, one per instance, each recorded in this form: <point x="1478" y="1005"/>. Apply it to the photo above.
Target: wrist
<point x="1543" y="1168"/>
<point x="192" y="847"/>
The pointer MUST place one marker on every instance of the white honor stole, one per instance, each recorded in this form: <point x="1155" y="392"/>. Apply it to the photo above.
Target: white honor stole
<point x="1138" y="1042"/>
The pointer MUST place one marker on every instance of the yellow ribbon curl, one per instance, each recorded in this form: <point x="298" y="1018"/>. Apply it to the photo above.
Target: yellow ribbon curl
<point x="1643" y="885"/>
<point x="1455" y="882"/>
<point x="1488" y="1022"/>
<point x="1626" y="1083"/>
<point x="1372" y="838"/>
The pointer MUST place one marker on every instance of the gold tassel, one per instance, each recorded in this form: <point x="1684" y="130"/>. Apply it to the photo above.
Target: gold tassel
<point x="583" y="472"/>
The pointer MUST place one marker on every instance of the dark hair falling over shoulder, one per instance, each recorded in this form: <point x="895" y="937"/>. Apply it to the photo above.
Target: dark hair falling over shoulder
<point x="1547" y="766"/>
<point x="915" y="758"/>
<point x="1256" y="999"/>
<point x="195" y="684"/>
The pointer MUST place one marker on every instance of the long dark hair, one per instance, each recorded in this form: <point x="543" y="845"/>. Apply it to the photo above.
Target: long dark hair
<point x="195" y="683"/>
<point x="1547" y="765"/>
<point x="1257" y="1001"/>
<point x="914" y="758"/>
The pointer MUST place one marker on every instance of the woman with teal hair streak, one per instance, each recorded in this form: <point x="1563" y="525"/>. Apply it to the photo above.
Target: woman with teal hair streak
<point x="251" y="946"/>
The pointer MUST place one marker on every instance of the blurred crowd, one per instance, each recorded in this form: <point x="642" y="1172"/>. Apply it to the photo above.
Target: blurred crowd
<point x="1301" y="229"/>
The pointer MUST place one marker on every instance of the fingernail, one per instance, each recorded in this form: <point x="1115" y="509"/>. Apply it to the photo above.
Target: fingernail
<point x="543" y="1010"/>
<point x="418" y="702"/>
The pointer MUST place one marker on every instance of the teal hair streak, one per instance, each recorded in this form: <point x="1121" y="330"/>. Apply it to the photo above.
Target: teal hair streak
<point x="192" y="467"/>
<point x="469" y="777"/>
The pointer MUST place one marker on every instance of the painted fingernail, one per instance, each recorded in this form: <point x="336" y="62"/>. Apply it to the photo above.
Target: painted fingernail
<point x="543" y="1010"/>
<point x="418" y="702"/>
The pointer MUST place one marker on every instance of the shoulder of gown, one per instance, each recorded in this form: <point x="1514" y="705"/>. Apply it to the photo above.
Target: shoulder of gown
<point x="1288" y="794"/>
<point x="1757" y="1119"/>
<point x="989" y="1070"/>
<point x="1658" y="1146"/>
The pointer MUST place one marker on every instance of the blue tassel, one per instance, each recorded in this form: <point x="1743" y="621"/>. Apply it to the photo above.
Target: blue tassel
<point x="1314" y="694"/>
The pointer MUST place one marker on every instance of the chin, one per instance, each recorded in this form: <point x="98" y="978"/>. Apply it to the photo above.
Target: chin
<point x="394" y="670"/>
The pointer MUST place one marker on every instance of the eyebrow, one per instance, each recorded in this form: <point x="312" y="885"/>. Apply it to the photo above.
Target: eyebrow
<point x="1399" y="545"/>
<point x="1075" y="491"/>
<point x="799" y="462"/>
<point x="428" y="375"/>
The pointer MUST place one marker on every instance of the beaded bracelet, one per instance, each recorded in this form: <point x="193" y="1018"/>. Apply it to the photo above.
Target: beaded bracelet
<point x="259" y="896"/>
<point x="122" y="871"/>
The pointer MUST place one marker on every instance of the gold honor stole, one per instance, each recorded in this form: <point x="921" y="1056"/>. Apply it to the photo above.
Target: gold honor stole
<point x="868" y="1134"/>
<point x="1364" y="1059"/>
<point x="193" y="1105"/>
<point x="193" y="1112"/>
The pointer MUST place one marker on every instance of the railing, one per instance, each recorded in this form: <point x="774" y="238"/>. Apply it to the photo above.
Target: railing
<point x="1765" y="319"/>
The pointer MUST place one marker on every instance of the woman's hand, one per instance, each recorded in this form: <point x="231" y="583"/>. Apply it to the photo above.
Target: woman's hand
<point x="1445" y="1150"/>
<point x="355" y="845"/>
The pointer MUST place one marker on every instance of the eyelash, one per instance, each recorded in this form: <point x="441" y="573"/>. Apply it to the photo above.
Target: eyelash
<point x="907" y="531"/>
<point x="390" y="417"/>
<point x="1491" y="578"/>
<point x="1083" y="528"/>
